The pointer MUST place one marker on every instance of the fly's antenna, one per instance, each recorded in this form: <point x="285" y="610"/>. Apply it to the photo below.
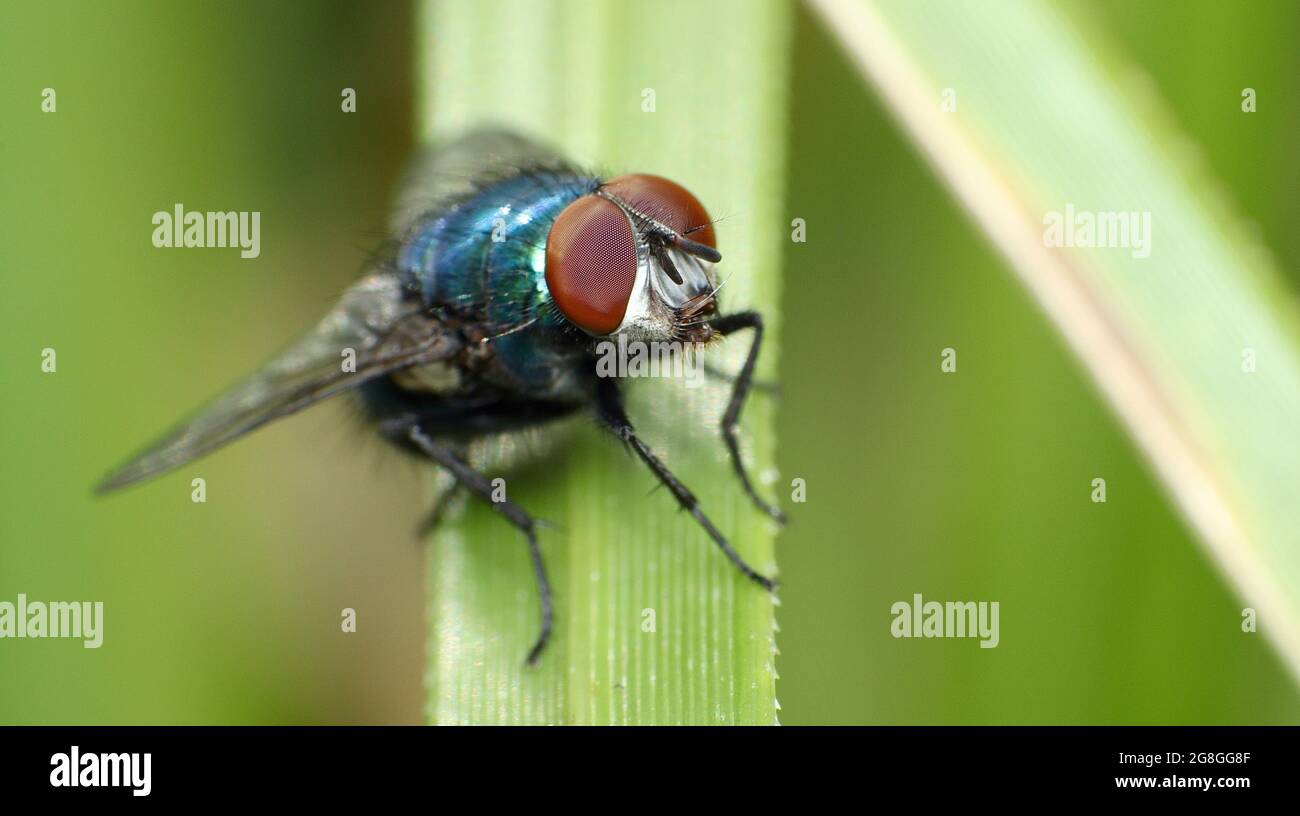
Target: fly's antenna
<point x="657" y="249"/>
<point x="701" y="251"/>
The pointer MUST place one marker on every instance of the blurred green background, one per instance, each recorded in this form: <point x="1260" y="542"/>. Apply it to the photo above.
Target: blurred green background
<point x="972" y="486"/>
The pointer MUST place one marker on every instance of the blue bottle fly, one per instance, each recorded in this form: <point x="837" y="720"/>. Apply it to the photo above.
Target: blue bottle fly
<point x="483" y="316"/>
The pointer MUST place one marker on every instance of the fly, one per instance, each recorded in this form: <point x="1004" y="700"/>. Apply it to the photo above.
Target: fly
<point x="508" y="267"/>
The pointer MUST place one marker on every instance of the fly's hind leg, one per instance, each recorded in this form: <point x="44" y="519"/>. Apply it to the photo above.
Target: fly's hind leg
<point x="447" y="456"/>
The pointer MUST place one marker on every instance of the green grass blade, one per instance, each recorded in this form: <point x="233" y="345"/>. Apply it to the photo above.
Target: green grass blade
<point x="1047" y="116"/>
<point x="578" y="74"/>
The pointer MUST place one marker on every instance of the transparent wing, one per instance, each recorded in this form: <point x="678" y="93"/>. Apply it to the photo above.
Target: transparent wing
<point x="452" y="170"/>
<point x="373" y="319"/>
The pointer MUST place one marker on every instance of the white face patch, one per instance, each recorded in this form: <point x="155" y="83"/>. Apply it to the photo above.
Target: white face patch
<point x="696" y="275"/>
<point x="639" y="306"/>
<point x="655" y="295"/>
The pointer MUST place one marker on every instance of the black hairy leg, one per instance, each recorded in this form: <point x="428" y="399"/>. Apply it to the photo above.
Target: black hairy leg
<point x="609" y="406"/>
<point x="447" y="456"/>
<point x="742" y="385"/>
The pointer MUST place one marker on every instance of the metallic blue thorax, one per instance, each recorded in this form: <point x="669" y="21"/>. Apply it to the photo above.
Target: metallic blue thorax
<point x="483" y="258"/>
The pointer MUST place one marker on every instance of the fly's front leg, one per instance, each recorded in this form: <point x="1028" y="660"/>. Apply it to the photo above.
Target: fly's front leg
<point x="480" y="486"/>
<point x="740" y="391"/>
<point x="609" y="404"/>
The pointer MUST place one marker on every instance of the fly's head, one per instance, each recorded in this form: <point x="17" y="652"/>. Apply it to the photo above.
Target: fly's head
<point x="635" y="258"/>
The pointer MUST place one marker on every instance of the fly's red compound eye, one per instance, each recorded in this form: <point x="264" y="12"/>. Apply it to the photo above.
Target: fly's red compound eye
<point x="667" y="202"/>
<point x="591" y="264"/>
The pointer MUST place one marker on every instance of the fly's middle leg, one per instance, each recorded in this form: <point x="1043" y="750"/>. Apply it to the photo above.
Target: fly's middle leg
<point x="611" y="413"/>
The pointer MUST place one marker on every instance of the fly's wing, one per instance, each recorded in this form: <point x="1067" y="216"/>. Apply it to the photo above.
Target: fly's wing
<point x="386" y="332"/>
<point x="452" y="170"/>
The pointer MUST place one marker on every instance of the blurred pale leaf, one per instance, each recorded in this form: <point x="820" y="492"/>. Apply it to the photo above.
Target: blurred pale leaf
<point x="1046" y="118"/>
